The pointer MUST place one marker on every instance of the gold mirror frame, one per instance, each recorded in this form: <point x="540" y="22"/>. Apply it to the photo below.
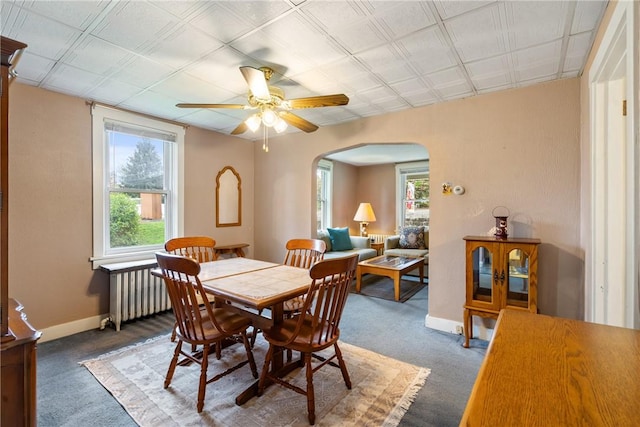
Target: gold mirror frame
<point x="228" y="198"/>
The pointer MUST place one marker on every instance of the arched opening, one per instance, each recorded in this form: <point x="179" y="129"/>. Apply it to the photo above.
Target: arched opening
<point x="375" y="173"/>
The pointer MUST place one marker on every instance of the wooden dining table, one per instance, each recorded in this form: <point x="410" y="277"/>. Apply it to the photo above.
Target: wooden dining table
<point x="249" y="286"/>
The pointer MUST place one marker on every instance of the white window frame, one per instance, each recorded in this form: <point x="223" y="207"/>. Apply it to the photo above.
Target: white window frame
<point x="326" y="166"/>
<point x="402" y="170"/>
<point x="101" y="255"/>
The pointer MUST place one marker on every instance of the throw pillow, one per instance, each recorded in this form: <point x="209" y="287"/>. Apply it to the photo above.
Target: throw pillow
<point x="412" y="238"/>
<point x="340" y="240"/>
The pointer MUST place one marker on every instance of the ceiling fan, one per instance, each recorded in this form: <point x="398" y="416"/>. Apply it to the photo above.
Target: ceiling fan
<point x="273" y="109"/>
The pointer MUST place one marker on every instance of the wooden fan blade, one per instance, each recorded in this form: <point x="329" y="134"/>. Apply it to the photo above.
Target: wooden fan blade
<point x="237" y="106"/>
<point x="297" y="121"/>
<point x="319" y="101"/>
<point x="257" y="83"/>
<point x="242" y="128"/>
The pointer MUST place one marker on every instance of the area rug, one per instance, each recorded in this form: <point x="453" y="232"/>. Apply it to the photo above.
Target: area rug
<point x="382" y="287"/>
<point x="382" y="389"/>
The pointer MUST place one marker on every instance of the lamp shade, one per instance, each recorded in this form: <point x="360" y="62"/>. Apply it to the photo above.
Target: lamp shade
<point x="365" y="213"/>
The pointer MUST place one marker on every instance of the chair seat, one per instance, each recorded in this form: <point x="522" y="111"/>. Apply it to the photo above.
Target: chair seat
<point x="307" y="339"/>
<point x="234" y="323"/>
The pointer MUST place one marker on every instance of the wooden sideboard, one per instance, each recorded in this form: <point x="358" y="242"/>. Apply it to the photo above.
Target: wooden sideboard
<point x="547" y="371"/>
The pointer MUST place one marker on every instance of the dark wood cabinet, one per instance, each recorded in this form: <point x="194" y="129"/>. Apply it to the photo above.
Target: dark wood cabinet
<point x="18" y="349"/>
<point x="499" y="274"/>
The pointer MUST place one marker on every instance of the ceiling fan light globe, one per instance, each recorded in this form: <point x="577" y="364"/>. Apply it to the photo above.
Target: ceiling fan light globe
<point x="280" y="125"/>
<point x="253" y="122"/>
<point x="269" y="118"/>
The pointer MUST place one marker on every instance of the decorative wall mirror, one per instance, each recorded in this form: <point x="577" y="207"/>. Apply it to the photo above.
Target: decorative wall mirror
<point x="228" y="198"/>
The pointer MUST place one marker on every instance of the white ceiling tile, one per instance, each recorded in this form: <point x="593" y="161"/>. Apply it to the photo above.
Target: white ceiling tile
<point x="71" y="80"/>
<point x="490" y="73"/>
<point x="541" y="57"/>
<point x="351" y="73"/>
<point x="427" y="50"/>
<point x="182" y="46"/>
<point x="220" y="22"/>
<point x="97" y="56"/>
<point x="477" y="34"/>
<point x="222" y="67"/>
<point x="409" y="86"/>
<point x="339" y="15"/>
<point x="183" y="9"/>
<point x="136" y="26"/>
<point x="404" y="18"/>
<point x="493" y="89"/>
<point x="378" y="95"/>
<point x="112" y="92"/>
<point x="536" y="22"/>
<point x="268" y="50"/>
<point x="586" y="16"/>
<point x="420" y="98"/>
<point x="33" y="67"/>
<point x="78" y="14"/>
<point x="577" y="49"/>
<point x="446" y="77"/>
<point x="43" y="36"/>
<point x="359" y="36"/>
<point x="153" y="103"/>
<point x="392" y="104"/>
<point x="257" y="12"/>
<point x="379" y="57"/>
<point x="142" y="72"/>
<point x="456" y="91"/>
<point x="448" y="9"/>
<point x="190" y="89"/>
<point x="299" y="37"/>
<point x="395" y="71"/>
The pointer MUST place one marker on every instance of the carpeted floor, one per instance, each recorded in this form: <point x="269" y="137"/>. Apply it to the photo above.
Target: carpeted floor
<point x="382" y="287"/>
<point x="382" y="389"/>
<point x="69" y="396"/>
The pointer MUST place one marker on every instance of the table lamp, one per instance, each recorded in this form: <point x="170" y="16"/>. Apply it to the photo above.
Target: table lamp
<point x="365" y="215"/>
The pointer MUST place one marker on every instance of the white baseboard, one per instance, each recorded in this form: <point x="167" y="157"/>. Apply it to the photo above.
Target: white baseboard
<point x="444" y="325"/>
<point x="480" y="331"/>
<point x="66" y="329"/>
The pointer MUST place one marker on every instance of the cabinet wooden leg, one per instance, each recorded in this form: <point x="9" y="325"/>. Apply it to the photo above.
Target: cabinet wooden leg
<point x="467" y="328"/>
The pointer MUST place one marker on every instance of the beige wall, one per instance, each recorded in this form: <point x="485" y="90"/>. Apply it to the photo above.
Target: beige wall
<point x="377" y="185"/>
<point x="50" y="205"/>
<point x="518" y="148"/>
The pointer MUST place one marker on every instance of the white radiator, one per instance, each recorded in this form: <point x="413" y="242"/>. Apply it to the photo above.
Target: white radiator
<point x="378" y="238"/>
<point x="134" y="292"/>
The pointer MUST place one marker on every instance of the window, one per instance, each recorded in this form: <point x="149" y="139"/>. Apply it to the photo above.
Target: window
<point x="137" y="181"/>
<point x="325" y="172"/>
<point x="413" y="194"/>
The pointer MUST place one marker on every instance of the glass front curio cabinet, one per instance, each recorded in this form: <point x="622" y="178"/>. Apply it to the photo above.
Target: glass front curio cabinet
<point x="499" y="274"/>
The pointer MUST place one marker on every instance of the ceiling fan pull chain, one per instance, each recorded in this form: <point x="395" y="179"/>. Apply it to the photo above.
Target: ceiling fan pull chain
<point x="265" y="139"/>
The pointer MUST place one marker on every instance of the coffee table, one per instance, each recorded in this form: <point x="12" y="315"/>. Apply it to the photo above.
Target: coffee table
<point x="393" y="267"/>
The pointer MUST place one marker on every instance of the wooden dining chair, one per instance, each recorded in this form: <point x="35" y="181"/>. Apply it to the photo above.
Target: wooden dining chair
<point x="196" y="325"/>
<point x="302" y="253"/>
<point x="315" y="328"/>
<point x="200" y="248"/>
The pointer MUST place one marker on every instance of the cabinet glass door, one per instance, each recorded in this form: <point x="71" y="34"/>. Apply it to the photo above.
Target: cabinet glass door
<point x="482" y="274"/>
<point x="518" y="278"/>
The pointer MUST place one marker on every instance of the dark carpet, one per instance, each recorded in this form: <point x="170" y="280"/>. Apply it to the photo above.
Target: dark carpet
<point x="382" y="287"/>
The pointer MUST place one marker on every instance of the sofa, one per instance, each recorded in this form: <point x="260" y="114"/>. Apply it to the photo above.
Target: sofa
<point x="360" y="246"/>
<point x="413" y="242"/>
